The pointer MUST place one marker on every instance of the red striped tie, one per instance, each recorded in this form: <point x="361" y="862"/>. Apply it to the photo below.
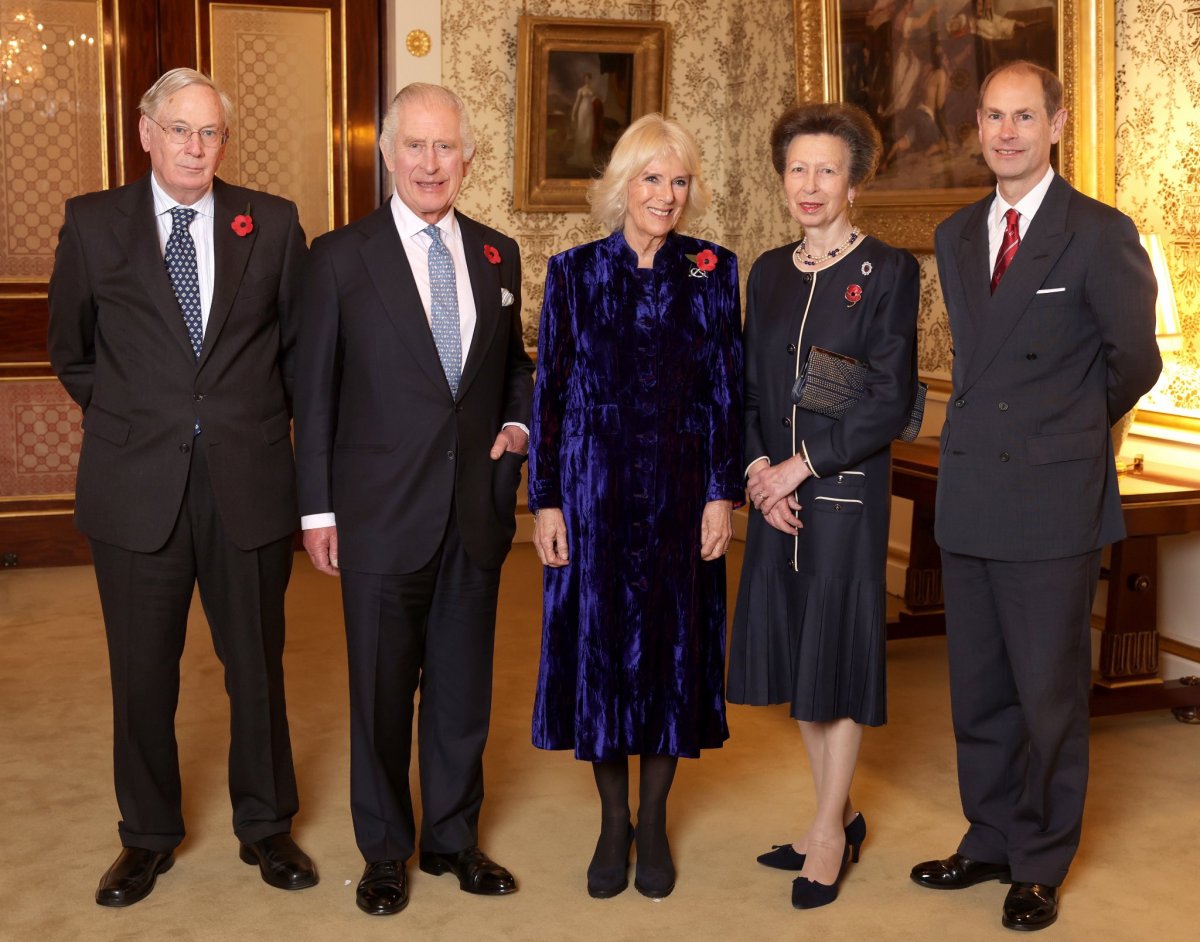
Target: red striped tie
<point x="1008" y="246"/>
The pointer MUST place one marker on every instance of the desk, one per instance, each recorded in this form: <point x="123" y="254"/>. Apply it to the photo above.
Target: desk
<point x="1128" y="677"/>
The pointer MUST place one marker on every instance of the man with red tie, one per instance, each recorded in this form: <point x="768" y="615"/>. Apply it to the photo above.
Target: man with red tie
<point x="1051" y="304"/>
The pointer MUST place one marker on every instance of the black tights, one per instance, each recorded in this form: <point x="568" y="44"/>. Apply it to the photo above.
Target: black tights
<point x="612" y="782"/>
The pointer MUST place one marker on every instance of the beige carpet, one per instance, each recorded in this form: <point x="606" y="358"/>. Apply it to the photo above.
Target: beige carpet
<point x="1134" y="878"/>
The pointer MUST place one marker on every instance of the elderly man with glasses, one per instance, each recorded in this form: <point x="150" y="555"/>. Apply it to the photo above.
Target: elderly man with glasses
<point x="172" y="325"/>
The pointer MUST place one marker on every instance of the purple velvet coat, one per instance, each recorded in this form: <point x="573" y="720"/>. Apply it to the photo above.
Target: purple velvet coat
<point x="636" y="426"/>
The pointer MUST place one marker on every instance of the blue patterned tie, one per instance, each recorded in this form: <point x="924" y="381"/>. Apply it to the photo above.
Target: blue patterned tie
<point x="443" y="299"/>
<point x="180" y="258"/>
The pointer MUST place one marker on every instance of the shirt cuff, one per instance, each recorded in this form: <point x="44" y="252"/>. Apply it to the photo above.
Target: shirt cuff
<point x="521" y="425"/>
<point x="312" y="521"/>
<point x="765" y="458"/>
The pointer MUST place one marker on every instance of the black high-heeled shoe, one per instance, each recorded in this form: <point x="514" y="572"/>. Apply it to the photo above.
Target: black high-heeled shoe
<point x="784" y="856"/>
<point x="607" y="879"/>
<point x="808" y="894"/>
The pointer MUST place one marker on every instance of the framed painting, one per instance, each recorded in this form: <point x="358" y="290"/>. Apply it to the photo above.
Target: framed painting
<point x="580" y="84"/>
<point x="915" y="66"/>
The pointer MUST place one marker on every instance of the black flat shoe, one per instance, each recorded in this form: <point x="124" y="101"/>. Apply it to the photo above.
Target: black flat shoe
<point x="809" y="894"/>
<point x="607" y="878"/>
<point x="957" y="872"/>
<point x="784" y="856"/>
<point x="383" y="889"/>
<point x="132" y="876"/>
<point x="1030" y="906"/>
<point x="282" y="864"/>
<point x="655" y="873"/>
<point x="476" y="872"/>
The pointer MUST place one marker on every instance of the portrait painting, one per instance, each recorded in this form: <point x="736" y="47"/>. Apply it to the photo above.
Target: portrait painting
<point x="915" y="66"/>
<point x="580" y="84"/>
<point x="587" y="109"/>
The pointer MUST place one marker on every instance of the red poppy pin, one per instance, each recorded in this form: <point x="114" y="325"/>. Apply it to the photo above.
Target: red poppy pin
<point x="704" y="262"/>
<point x="491" y="253"/>
<point x="853" y="295"/>
<point x="243" y="225"/>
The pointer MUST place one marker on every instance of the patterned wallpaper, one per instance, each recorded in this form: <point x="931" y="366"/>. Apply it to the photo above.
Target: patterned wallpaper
<point x="731" y="74"/>
<point x="1158" y="161"/>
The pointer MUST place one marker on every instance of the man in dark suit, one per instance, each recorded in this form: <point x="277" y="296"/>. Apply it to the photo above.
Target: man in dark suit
<point x="412" y="406"/>
<point x="1051" y="303"/>
<point x="171" y="324"/>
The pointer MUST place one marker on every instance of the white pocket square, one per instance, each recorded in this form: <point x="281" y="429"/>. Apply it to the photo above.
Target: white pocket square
<point x="506" y="297"/>
<point x="1050" y="290"/>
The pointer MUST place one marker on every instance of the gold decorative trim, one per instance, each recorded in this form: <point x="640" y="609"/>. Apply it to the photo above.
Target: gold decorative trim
<point x="418" y="43"/>
<point x="1179" y="648"/>
<point x="1086" y="38"/>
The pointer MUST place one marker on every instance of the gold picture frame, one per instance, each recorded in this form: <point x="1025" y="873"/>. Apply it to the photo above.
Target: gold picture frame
<point x="580" y="83"/>
<point x="1085" y="40"/>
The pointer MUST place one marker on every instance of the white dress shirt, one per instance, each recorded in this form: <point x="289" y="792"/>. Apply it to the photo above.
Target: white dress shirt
<point x="416" y="244"/>
<point x="1027" y="206"/>
<point x="202" y="234"/>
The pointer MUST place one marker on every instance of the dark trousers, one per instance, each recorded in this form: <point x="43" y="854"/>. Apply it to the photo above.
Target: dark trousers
<point x="1019" y="641"/>
<point x="433" y="629"/>
<point x="145" y="598"/>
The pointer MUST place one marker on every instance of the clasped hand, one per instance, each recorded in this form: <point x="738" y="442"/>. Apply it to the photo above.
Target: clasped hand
<point x="772" y="491"/>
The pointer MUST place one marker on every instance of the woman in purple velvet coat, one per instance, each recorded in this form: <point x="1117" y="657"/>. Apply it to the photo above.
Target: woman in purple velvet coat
<point x="635" y="462"/>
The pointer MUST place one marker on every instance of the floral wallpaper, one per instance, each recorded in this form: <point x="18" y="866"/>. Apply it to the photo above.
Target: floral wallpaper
<point x="732" y="71"/>
<point x="1158" y="162"/>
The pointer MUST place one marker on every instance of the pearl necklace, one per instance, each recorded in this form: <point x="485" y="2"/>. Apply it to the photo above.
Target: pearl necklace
<point x="803" y="258"/>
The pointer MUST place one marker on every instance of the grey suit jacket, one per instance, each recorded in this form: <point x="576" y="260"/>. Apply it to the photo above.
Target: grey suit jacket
<point x="1042" y="369"/>
<point x="118" y="343"/>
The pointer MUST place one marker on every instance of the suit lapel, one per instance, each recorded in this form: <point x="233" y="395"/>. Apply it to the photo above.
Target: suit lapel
<point x="230" y="254"/>
<point x="1039" y="251"/>
<point x="485" y="288"/>
<point x="135" y="229"/>
<point x="387" y="264"/>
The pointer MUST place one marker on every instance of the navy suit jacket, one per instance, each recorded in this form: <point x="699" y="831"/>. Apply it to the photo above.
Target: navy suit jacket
<point x="380" y="440"/>
<point x="1042" y="369"/>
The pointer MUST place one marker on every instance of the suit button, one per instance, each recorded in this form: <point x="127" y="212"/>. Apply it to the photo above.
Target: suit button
<point x="198" y="396"/>
<point x="185" y="448"/>
<point x="1031" y="356"/>
<point x="787" y="423"/>
<point x="1004" y="407"/>
<point x="841" y="479"/>
<point x="837" y="506"/>
<point x="1004" y="456"/>
<point x="959" y="403"/>
<point x="450" y="455"/>
<point x="792" y="349"/>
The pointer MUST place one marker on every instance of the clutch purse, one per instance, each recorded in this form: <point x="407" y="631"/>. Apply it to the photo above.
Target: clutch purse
<point x="830" y="383"/>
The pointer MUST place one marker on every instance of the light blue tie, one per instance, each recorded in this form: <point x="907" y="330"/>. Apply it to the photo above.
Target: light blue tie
<point x="180" y="259"/>
<point x="443" y="300"/>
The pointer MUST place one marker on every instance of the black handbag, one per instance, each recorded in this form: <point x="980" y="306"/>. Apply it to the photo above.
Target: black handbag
<point x="830" y="383"/>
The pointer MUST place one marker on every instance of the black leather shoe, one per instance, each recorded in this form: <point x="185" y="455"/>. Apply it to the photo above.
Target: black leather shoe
<point x="132" y="876"/>
<point x="281" y="862"/>
<point x="1030" y="906"/>
<point x="476" y="872"/>
<point x="957" y="872"/>
<point x="383" y="889"/>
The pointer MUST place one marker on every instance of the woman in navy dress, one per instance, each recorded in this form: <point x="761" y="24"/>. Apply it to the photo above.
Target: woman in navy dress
<point x="809" y="628"/>
<point x="635" y="462"/>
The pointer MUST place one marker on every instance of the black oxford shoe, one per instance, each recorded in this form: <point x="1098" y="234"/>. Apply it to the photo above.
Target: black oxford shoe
<point x="281" y="863"/>
<point x="1030" y="906"/>
<point x="132" y="876"/>
<point x="476" y="872"/>
<point x="383" y="889"/>
<point x="957" y="872"/>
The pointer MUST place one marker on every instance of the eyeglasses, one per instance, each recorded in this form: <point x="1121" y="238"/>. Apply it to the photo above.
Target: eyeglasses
<point x="181" y="134"/>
